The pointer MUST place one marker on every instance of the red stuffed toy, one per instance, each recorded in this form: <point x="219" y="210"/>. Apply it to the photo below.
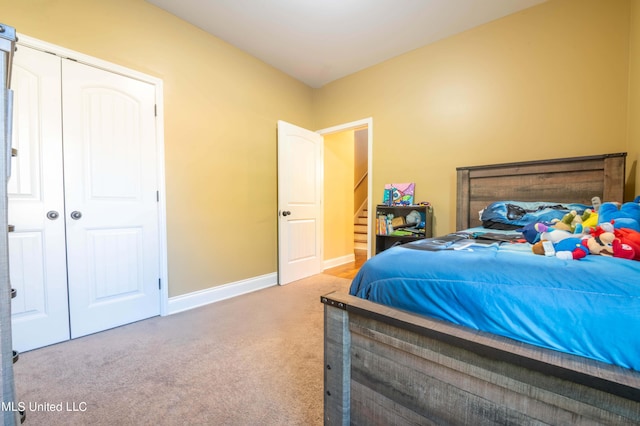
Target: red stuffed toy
<point x="630" y="238"/>
<point x="627" y="242"/>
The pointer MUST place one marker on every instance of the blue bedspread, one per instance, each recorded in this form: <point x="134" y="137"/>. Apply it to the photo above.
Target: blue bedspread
<point x="588" y="307"/>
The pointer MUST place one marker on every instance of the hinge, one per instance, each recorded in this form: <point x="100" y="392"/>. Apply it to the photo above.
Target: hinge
<point x="159" y="284"/>
<point x="155" y="110"/>
<point x="158" y="196"/>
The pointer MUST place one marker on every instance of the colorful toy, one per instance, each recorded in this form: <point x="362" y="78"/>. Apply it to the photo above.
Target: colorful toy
<point x="626" y="215"/>
<point x="568" y="221"/>
<point x="589" y="220"/>
<point x="602" y="243"/>
<point x="550" y="233"/>
<point x="571" y="248"/>
<point x="630" y="238"/>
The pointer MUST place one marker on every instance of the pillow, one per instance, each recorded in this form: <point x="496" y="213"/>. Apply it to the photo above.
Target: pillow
<point x="516" y="214"/>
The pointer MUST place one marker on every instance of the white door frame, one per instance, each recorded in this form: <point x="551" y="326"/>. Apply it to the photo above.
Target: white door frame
<point x="355" y="125"/>
<point x="158" y="84"/>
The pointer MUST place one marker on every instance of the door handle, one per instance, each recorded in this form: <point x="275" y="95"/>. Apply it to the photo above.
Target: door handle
<point x="286" y="213"/>
<point x="52" y="215"/>
<point x="75" y="215"/>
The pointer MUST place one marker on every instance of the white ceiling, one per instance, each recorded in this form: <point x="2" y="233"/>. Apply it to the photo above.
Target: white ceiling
<point x="318" y="41"/>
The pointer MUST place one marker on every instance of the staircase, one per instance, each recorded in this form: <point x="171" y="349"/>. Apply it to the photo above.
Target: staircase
<point x="360" y="229"/>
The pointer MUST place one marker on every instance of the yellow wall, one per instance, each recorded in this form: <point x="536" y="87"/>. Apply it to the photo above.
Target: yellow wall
<point x="221" y="109"/>
<point x="633" y="144"/>
<point x="338" y="194"/>
<point x="550" y="81"/>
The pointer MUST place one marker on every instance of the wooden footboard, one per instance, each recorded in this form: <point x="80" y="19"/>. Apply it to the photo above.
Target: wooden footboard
<point x="386" y="366"/>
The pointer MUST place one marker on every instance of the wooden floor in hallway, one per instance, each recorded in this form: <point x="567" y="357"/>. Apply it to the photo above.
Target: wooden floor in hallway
<point x="348" y="270"/>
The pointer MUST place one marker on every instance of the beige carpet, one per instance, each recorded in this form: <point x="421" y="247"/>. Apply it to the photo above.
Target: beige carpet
<point x="256" y="359"/>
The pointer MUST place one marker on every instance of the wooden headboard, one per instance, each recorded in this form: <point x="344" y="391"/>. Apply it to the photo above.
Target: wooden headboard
<point x="562" y="180"/>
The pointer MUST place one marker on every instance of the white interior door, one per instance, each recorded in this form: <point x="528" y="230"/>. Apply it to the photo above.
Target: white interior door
<point x="37" y="252"/>
<point x="300" y="186"/>
<point x="111" y="198"/>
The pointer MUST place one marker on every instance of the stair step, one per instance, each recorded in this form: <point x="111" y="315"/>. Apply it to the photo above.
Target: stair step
<point x="360" y="246"/>
<point x="360" y="230"/>
<point x="360" y="238"/>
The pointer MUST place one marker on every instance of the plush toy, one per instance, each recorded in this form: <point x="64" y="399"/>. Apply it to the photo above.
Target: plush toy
<point x="568" y="221"/>
<point x="603" y="244"/>
<point x="625" y="216"/>
<point x="530" y="233"/>
<point x="537" y="248"/>
<point x="575" y="223"/>
<point x="629" y="237"/>
<point x="625" y="243"/>
<point x="568" y="248"/>
<point x="550" y="233"/>
<point x="589" y="220"/>
<point x="600" y="229"/>
<point x="623" y="250"/>
<point x="600" y="244"/>
<point x="571" y="248"/>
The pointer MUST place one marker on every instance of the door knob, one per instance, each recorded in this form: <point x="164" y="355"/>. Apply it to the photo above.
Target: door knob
<point x="286" y="213"/>
<point x="52" y="215"/>
<point x="75" y="215"/>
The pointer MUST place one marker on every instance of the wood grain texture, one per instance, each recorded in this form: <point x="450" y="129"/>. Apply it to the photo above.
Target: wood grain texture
<point x="408" y="369"/>
<point x="566" y="180"/>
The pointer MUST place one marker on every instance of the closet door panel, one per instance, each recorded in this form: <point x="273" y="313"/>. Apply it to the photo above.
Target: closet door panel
<point x="37" y="252"/>
<point x="110" y="193"/>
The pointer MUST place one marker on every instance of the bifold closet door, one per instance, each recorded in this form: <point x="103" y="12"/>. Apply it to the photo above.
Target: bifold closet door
<point x="84" y="255"/>
<point x="110" y="198"/>
<point x="37" y="250"/>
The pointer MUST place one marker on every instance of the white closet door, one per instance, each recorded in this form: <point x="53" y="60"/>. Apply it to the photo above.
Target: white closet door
<point x="37" y="251"/>
<point x="110" y="195"/>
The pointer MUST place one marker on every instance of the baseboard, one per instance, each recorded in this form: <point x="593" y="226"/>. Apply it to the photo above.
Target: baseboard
<point x="332" y="263"/>
<point x="215" y="294"/>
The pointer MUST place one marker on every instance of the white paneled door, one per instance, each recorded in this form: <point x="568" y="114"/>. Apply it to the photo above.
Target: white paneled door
<point x="110" y="198"/>
<point x="37" y="250"/>
<point x="300" y="174"/>
<point x="91" y="190"/>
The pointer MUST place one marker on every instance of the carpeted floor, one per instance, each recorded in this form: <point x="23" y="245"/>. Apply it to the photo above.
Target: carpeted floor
<point x="256" y="359"/>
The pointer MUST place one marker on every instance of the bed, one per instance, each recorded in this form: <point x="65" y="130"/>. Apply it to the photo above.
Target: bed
<point x="387" y="365"/>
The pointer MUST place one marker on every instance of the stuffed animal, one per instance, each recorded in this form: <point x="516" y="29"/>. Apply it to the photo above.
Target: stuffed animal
<point x="625" y="216"/>
<point x="531" y="233"/>
<point x="550" y="233"/>
<point x="571" y="248"/>
<point x="600" y="244"/>
<point x="630" y="238"/>
<point x="567" y="249"/>
<point x="626" y="243"/>
<point x="603" y="244"/>
<point x="568" y="221"/>
<point x="589" y="220"/>
<point x="575" y="223"/>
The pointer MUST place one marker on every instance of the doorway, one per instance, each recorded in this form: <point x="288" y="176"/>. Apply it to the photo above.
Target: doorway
<point x="355" y="136"/>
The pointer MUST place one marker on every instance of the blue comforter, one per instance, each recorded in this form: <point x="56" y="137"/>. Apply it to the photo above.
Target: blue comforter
<point x="588" y="307"/>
